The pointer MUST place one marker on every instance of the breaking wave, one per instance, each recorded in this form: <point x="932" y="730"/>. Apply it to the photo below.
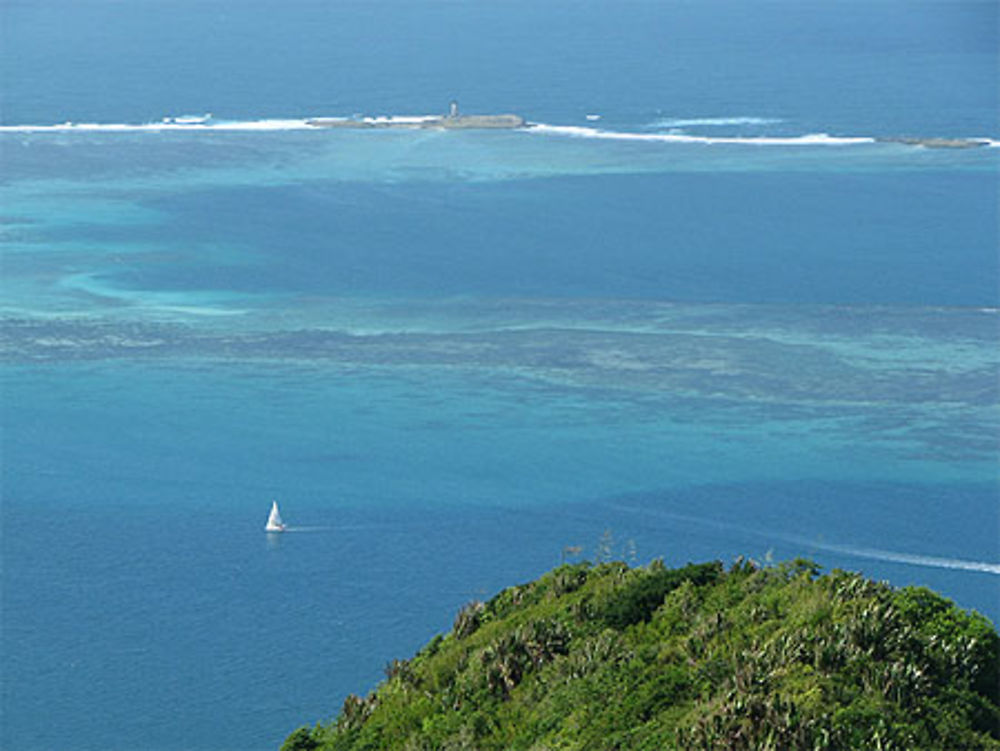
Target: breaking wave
<point x="206" y="123"/>
<point x="811" y="139"/>
<point x="170" y="124"/>
<point x="681" y="122"/>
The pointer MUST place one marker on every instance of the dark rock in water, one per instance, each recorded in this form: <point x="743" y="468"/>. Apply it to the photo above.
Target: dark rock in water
<point x="939" y="143"/>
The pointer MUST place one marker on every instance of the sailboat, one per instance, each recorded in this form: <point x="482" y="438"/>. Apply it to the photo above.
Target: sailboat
<point x="274" y="523"/>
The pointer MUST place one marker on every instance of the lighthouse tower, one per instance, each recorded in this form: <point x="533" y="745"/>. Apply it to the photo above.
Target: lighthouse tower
<point x="453" y="109"/>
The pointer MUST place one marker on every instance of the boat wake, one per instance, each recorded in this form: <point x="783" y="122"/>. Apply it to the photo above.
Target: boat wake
<point x="892" y="556"/>
<point x="310" y="529"/>
<point x="877" y="554"/>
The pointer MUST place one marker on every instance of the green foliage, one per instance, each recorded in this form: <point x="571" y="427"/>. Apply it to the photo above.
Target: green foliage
<point x="637" y="602"/>
<point x="468" y="619"/>
<point x="612" y="657"/>
<point x="300" y="740"/>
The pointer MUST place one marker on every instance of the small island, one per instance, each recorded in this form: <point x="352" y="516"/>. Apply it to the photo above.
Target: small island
<point x="453" y="120"/>
<point x="701" y="657"/>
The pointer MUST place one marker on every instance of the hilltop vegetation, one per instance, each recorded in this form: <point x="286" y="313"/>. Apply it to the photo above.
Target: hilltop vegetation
<point x="611" y="657"/>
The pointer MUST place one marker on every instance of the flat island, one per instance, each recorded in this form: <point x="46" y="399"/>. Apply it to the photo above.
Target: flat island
<point x="454" y="120"/>
<point x="451" y="121"/>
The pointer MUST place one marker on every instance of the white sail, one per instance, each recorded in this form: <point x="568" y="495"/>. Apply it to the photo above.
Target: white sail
<point x="274" y="523"/>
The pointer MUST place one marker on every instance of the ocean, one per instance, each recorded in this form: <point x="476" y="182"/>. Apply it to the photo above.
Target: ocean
<point x="706" y="306"/>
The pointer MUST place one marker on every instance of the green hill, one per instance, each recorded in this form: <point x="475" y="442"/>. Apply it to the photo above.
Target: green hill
<point x="611" y="657"/>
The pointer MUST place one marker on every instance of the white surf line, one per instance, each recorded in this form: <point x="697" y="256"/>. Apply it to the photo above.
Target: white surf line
<point x="890" y="556"/>
<point x="221" y="125"/>
<point x="684" y="122"/>
<point x="570" y="131"/>
<point x="811" y="139"/>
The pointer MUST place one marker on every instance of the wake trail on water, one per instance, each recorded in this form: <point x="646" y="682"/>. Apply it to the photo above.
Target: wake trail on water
<point x="912" y="559"/>
<point x="354" y="527"/>
<point x="208" y="125"/>
<point x="878" y="554"/>
<point x="311" y="529"/>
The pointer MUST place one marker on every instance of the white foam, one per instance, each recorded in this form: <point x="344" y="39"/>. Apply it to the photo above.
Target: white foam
<point x="714" y="121"/>
<point x="273" y="124"/>
<point x="205" y="123"/>
<point x="400" y="119"/>
<point x="189" y="119"/>
<point x="171" y="124"/>
<point x="811" y="139"/>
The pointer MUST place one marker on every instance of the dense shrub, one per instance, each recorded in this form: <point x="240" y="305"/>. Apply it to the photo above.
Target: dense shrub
<point x="300" y="740"/>
<point x="608" y="657"/>
<point x="637" y="602"/>
<point x="468" y="619"/>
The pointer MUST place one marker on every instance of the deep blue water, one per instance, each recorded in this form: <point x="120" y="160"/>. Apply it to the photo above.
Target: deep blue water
<point x="451" y="355"/>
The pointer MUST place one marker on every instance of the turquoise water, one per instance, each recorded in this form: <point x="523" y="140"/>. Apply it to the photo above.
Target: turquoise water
<point x="450" y="355"/>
